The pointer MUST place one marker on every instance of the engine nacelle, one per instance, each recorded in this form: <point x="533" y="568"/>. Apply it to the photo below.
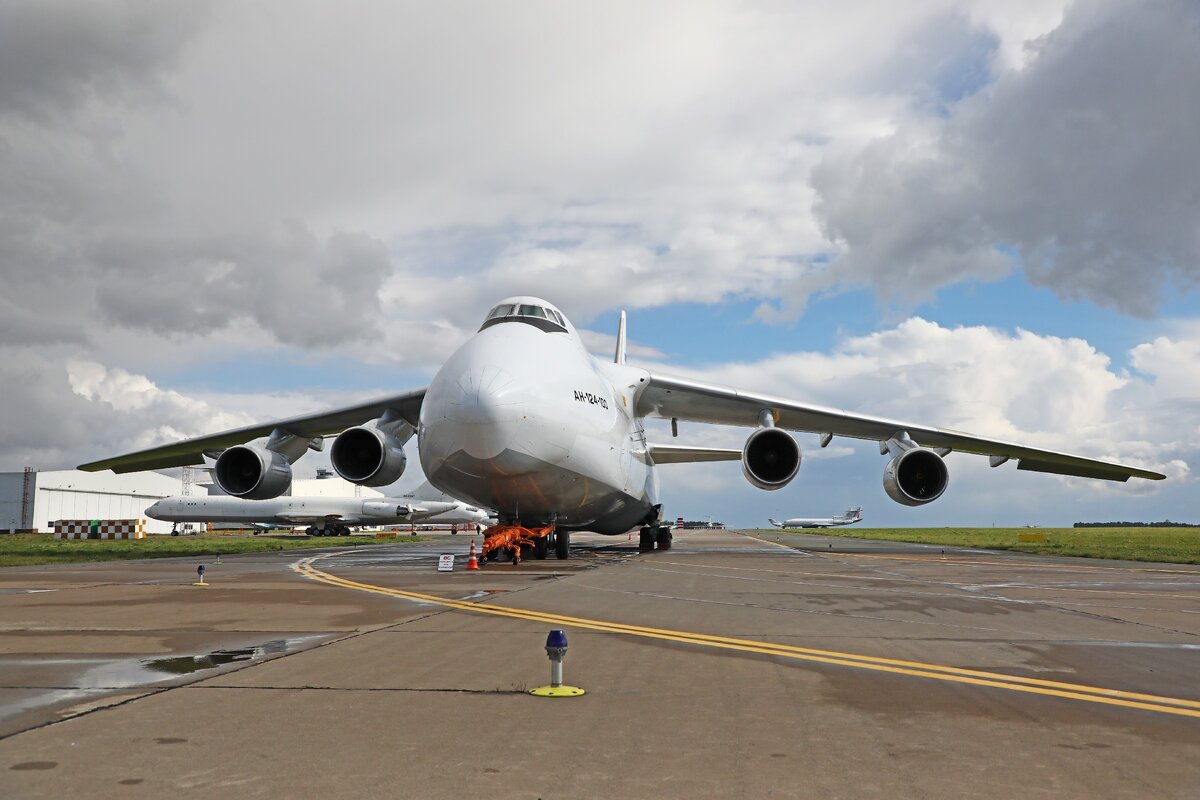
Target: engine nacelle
<point x="369" y="456"/>
<point x="252" y="472"/>
<point x="770" y="458"/>
<point x="916" y="477"/>
<point x="386" y="509"/>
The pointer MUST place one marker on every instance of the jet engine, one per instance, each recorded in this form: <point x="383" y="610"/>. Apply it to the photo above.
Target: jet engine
<point x="770" y="458"/>
<point x="371" y="454"/>
<point x="915" y="477"/>
<point x="252" y="472"/>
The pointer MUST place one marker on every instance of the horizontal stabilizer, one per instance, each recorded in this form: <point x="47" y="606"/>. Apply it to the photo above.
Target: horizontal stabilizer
<point x="681" y="454"/>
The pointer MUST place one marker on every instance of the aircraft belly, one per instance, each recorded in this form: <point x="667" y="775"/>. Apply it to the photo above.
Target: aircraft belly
<point x="535" y="491"/>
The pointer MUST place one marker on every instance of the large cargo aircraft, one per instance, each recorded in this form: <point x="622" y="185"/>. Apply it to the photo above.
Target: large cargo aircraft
<point x="851" y="516"/>
<point x="523" y="421"/>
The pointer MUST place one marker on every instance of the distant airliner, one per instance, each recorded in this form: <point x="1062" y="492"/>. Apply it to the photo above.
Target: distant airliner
<point x="523" y="421"/>
<point x="851" y="516"/>
<point x="324" y="516"/>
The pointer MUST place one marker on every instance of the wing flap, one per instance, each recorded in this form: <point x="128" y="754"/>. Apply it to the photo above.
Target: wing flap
<point x="325" y="423"/>
<point x="681" y="398"/>
<point x="1033" y="465"/>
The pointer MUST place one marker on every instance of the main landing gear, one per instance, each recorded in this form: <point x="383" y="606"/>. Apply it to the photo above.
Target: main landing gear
<point x="654" y="535"/>
<point x="332" y="530"/>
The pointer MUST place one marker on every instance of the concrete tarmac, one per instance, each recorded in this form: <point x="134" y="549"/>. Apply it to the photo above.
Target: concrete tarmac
<point x="788" y="665"/>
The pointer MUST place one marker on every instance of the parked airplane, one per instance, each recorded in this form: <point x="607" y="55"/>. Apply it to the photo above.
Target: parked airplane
<point x="851" y="516"/>
<point x="522" y="420"/>
<point x="324" y="516"/>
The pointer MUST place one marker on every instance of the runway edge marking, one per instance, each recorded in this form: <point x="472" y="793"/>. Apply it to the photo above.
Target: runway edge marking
<point x="1071" y="691"/>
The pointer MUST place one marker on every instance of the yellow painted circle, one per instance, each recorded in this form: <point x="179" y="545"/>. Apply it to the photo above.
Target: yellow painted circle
<point x="557" y="691"/>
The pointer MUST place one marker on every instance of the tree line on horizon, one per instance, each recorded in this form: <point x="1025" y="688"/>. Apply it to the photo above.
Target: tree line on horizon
<point x="1166" y="523"/>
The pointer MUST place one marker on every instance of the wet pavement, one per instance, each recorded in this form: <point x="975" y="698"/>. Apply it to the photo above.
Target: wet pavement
<point x="728" y="665"/>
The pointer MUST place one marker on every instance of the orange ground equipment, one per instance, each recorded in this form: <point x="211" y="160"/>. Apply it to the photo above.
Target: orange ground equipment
<point x="516" y="539"/>
<point x="472" y="560"/>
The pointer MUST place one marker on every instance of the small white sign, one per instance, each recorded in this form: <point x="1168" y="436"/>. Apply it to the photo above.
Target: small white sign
<point x="446" y="562"/>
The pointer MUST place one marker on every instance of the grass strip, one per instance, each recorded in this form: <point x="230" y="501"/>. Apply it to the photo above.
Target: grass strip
<point x="1168" y="545"/>
<point x="23" y="549"/>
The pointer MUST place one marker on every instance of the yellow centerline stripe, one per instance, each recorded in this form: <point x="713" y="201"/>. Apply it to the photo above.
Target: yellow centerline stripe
<point x="1148" y="702"/>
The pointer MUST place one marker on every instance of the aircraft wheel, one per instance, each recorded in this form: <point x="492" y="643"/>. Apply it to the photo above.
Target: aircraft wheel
<point x="663" y="538"/>
<point x="646" y="540"/>
<point x="562" y="544"/>
<point x="310" y="531"/>
<point x="541" y="548"/>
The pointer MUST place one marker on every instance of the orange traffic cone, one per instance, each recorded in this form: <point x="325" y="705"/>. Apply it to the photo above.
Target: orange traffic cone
<point x="472" y="560"/>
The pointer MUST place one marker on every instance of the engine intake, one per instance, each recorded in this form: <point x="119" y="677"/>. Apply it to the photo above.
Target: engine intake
<point x="770" y="458"/>
<point x="916" y="477"/>
<point x="252" y="472"/>
<point x="369" y="456"/>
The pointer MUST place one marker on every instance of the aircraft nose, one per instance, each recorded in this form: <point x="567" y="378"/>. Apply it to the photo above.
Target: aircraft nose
<point x="476" y="411"/>
<point x="486" y="395"/>
<point x="154" y="509"/>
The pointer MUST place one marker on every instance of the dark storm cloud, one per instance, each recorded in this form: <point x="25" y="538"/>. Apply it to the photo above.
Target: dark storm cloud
<point x="88" y="229"/>
<point x="1084" y="165"/>
<point x="55" y="55"/>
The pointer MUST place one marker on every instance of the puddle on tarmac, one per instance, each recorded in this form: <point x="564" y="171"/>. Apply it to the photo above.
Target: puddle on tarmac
<point x="185" y="665"/>
<point x="90" y="678"/>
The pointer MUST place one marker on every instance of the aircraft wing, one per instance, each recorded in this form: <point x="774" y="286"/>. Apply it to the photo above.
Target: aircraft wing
<point x="685" y="399"/>
<point x="325" y="423"/>
<point x="305" y="519"/>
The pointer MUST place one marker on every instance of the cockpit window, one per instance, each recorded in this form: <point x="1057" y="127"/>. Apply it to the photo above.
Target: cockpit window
<point x="546" y="319"/>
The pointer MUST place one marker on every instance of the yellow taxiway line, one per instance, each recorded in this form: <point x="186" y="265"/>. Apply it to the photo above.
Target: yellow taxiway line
<point x="1072" y="691"/>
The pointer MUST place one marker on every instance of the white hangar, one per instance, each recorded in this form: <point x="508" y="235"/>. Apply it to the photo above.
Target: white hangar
<point x="32" y="500"/>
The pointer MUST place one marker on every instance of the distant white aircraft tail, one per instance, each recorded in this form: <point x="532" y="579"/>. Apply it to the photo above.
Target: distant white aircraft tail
<point x="854" y="514"/>
<point x="426" y="491"/>
<point x="775" y="522"/>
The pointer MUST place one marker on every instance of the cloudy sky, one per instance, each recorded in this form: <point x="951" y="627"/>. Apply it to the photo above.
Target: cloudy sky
<point x="980" y="215"/>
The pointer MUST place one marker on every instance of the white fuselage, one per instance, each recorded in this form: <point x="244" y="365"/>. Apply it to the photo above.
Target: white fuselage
<point x="309" y="511"/>
<point x="526" y="422"/>
<point x="817" y="522"/>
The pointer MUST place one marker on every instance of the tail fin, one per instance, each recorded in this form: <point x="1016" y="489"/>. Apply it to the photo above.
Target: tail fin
<point x="619" y="356"/>
<point x="775" y="522"/>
